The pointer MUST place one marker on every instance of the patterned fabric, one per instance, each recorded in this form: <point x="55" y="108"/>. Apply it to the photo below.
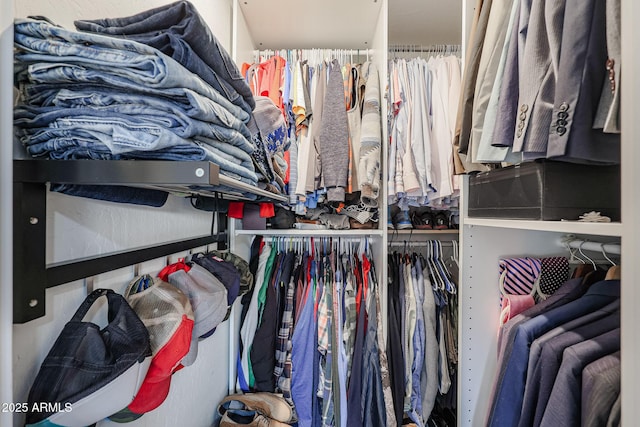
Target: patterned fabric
<point x="520" y="275"/>
<point x="350" y="313"/>
<point x="283" y="341"/>
<point x="554" y="272"/>
<point x="384" y="364"/>
<point x="328" y="414"/>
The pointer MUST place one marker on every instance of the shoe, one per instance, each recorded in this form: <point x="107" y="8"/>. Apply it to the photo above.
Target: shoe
<point x="233" y="418"/>
<point x="390" y="224"/>
<point x="454" y="220"/>
<point x="402" y="220"/>
<point x="441" y="221"/>
<point x="269" y="404"/>
<point x="422" y="220"/>
<point x="355" y="225"/>
<point x="359" y="212"/>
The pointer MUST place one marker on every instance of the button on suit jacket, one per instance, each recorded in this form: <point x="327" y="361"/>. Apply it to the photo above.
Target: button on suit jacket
<point x="579" y="84"/>
<point x="538" y="76"/>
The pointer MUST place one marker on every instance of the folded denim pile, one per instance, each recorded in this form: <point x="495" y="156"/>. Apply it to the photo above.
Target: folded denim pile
<point x="153" y="332"/>
<point x="157" y="85"/>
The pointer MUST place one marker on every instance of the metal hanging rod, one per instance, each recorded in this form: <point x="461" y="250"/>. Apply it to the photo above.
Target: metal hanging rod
<point x="409" y="244"/>
<point x="435" y="48"/>
<point x="311" y="54"/>
<point x="586" y="245"/>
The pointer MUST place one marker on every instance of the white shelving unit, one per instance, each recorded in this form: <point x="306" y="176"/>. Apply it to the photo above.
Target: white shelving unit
<point x="614" y="229"/>
<point x="311" y="233"/>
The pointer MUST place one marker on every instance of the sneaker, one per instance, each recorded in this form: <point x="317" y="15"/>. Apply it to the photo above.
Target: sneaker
<point x="390" y="224"/>
<point x="402" y="220"/>
<point x="441" y="221"/>
<point x="269" y="404"/>
<point x="422" y="220"/>
<point x="359" y="212"/>
<point x="233" y="418"/>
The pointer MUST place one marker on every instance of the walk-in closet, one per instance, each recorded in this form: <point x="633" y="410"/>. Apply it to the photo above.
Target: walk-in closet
<point x="355" y="262"/>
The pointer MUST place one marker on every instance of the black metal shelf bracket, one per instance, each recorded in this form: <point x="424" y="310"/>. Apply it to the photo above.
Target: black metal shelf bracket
<point x="31" y="275"/>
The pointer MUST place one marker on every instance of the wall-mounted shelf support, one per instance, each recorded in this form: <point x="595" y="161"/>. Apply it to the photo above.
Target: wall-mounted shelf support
<point x="31" y="275"/>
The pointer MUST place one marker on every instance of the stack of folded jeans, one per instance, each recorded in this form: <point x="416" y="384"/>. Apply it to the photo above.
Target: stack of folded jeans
<point x="93" y="96"/>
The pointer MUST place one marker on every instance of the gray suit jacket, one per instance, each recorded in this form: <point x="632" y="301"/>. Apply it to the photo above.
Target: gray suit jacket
<point x="616" y="412"/>
<point x="578" y="88"/>
<point x="538" y="76"/>
<point x="569" y="291"/>
<point x="564" y="404"/>
<point x="472" y="61"/>
<point x="540" y="385"/>
<point x="600" y="390"/>
<point x="504" y="131"/>
<point x="608" y="115"/>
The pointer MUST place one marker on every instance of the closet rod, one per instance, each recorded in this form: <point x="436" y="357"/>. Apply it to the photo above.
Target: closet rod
<point x="427" y="49"/>
<point x="350" y="239"/>
<point x="444" y="243"/>
<point x="586" y="245"/>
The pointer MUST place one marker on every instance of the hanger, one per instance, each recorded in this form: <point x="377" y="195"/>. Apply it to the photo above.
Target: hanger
<point x="614" y="272"/>
<point x="589" y="259"/>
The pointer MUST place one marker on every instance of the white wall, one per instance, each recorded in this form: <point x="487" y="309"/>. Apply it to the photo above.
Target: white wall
<point x="78" y="228"/>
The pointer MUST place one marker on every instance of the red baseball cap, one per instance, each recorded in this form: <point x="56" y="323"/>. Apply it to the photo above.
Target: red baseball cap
<point x="167" y="313"/>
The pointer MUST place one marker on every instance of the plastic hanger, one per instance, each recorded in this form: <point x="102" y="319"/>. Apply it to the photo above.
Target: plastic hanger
<point x="583" y="254"/>
<point x="614" y="272"/>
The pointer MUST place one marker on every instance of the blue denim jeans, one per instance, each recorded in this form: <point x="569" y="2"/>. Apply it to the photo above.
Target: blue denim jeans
<point x="173" y="119"/>
<point x="88" y="138"/>
<point x="187" y="101"/>
<point x="50" y="54"/>
<point x="179" y="31"/>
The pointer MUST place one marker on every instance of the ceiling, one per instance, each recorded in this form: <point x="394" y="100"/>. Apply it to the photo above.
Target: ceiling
<point x="350" y="24"/>
<point x="425" y="22"/>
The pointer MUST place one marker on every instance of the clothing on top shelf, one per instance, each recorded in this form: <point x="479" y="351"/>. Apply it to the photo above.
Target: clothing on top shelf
<point x="541" y="81"/>
<point x="123" y="89"/>
<point x="423" y="97"/>
<point x="332" y="109"/>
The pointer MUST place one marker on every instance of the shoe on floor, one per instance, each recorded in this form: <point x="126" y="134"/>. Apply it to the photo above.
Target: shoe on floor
<point x="271" y="405"/>
<point x="233" y="418"/>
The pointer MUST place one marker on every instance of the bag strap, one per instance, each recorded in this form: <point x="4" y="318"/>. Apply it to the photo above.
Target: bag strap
<point x="90" y="300"/>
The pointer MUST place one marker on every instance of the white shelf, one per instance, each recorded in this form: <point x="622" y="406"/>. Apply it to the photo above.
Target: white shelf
<point x="287" y="24"/>
<point x="570" y="227"/>
<point x="312" y="233"/>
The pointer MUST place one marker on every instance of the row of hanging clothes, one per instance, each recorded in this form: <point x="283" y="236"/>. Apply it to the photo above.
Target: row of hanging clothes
<point x="422" y="344"/>
<point x="312" y="331"/>
<point x="559" y="339"/>
<point x="423" y="95"/>
<point x="330" y="101"/>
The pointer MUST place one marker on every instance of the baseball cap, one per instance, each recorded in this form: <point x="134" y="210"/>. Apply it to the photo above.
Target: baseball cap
<point x="92" y="369"/>
<point x="208" y="299"/>
<point x="167" y="313"/>
<point x="225" y="271"/>
<point x="246" y="277"/>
